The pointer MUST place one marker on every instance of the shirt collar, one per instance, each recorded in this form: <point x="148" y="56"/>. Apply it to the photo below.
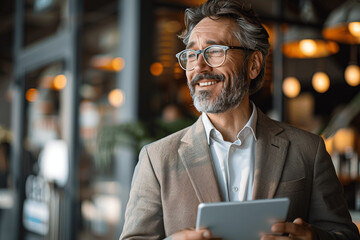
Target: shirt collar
<point x="208" y="126"/>
<point x="251" y="124"/>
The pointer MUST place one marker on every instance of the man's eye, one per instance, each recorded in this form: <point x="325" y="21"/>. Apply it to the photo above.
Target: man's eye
<point x="215" y="52"/>
<point x="191" y="56"/>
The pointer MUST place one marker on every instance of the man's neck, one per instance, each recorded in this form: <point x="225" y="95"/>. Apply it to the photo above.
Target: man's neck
<point x="232" y="121"/>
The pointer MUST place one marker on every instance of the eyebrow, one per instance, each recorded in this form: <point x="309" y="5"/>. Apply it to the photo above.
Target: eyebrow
<point x="210" y="42"/>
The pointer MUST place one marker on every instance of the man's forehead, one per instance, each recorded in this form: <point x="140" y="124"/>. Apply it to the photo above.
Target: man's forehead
<point x="213" y="31"/>
<point x="208" y="24"/>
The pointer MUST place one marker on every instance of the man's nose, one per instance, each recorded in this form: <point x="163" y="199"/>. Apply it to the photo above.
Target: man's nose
<point x="201" y="65"/>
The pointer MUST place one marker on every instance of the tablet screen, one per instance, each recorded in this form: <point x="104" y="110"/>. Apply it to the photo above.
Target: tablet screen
<point x="242" y="220"/>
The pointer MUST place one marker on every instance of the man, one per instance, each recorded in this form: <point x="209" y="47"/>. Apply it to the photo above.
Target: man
<point x="233" y="152"/>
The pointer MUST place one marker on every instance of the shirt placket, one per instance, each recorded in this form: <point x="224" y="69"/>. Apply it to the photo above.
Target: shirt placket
<point x="222" y="146"/>
<point x="233" y="183"/>
<point x="237" y="161"/>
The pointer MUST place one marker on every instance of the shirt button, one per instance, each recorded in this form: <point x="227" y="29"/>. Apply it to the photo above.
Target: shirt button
<point x="235" y="189"/>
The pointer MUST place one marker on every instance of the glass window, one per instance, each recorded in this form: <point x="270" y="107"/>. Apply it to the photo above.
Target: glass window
<point x="99" y="102"/>
<point x="99" y="189"/>
<point x="43" y="18"/>
<point x="45" y="161"/>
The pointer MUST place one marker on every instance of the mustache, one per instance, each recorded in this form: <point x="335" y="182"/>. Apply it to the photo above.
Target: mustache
<point x="198" y="77"/>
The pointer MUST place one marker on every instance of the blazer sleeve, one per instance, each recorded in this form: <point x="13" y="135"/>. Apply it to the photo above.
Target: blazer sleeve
<point x="143" y="216"/>
<point x="328" y="210"/>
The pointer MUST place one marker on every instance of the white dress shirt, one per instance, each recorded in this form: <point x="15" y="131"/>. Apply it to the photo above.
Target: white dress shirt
<point x="234" y="162"/>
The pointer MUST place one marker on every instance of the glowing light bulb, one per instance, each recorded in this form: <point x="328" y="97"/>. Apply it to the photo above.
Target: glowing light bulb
<point x="354" y="28"/>
<point x="156" y="69"/>
<point x="291" y="87"/>
<point x="308" y="47"/>
<point x="344" y="139"/>
<point x="116" y="97"/>
<point x="321" y="82"/>
<point x="352" y="75"/>
<point x="31" y="94"/>
<point x="117" y="64"/>
<point x="59" y="82"/>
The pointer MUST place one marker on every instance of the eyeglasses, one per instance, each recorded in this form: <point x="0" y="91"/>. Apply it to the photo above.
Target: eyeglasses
<point x="214" y="56"/>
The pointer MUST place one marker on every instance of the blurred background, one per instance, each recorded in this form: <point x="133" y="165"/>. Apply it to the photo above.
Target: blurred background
<point x="85" y="84"/>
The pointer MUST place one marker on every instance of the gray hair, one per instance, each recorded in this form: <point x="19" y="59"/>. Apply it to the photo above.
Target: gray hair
<point x="251" y="34"/>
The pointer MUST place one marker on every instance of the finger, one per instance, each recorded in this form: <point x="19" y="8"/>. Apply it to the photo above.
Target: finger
<point x="308" y="230"/>
<point x="205" y="233"/>
<point x="200" y="234"/>
<point x="287" y="227"/>
<point x="192" y="234"/>
<point x="302" y="225"/>
<point x="299" y="221"/>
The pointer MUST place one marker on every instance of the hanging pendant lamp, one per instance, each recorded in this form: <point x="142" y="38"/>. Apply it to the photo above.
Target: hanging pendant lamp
<point x="343" y="24"/>
<point x="307" y="42"/>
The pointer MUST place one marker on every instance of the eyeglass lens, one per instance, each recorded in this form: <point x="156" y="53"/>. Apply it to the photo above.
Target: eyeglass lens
<point x="214" y="56"/>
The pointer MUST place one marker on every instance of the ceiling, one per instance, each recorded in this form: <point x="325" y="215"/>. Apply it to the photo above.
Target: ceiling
<point x="267" y="8"/>
<point x="290" y="14"/>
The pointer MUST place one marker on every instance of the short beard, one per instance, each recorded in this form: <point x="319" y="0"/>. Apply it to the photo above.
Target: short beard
<point x="229" y="98"/>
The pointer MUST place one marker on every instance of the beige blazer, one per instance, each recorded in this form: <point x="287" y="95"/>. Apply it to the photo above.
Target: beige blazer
<point x="176" y="173"/>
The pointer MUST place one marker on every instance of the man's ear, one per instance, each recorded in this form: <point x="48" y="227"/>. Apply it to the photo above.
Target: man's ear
<point x="254" y="65"/>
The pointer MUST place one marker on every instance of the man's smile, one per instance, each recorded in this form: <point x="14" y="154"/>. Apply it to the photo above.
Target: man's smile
<point x="206" y="83"/>
<point x="206" y="80"/>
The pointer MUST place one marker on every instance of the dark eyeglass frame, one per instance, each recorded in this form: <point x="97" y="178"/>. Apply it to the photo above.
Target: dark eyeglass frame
<point x="201" y="51"/>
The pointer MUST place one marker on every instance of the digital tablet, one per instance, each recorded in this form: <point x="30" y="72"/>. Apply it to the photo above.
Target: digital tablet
<point x="247" y="220"/>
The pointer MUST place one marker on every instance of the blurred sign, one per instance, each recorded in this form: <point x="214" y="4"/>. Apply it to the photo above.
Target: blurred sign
<point x="36" y="216"/>
<point x="36" y="213"/>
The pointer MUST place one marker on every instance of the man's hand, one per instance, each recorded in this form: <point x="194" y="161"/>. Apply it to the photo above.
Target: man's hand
<point x="298" y="230"/>
<point x="192" y="234"/>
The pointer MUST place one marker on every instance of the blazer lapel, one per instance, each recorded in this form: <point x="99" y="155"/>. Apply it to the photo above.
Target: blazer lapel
<point x="270" y="157"/>
<point x="195" y="155"/>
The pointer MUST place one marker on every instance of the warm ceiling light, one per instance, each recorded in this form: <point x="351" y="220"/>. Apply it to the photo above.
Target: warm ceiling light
<point x="156" y="69"/>
<point x="344" y="140"/>
<point x="304" y="41"/>
<point x="321" y="82"/>
<point x="31" y="95"/>
<point x="291" y="87"/>
<point x="352" y="75"/>
<point x="107" y="63"/>
<point x="59" y="82"/>
<point x="307" y="43"/>
<point x="117" y="64"/>
<point x="343" y="24"/>
<point x="354" y="29"/>
<point x="116" y="97"/>
<point x="307" y="46"/>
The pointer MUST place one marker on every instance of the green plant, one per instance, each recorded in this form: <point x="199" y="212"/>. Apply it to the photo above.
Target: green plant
<point x="134" y="135"/>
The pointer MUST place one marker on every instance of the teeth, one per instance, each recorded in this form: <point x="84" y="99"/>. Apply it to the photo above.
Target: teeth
<point x="206" y="84"/>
